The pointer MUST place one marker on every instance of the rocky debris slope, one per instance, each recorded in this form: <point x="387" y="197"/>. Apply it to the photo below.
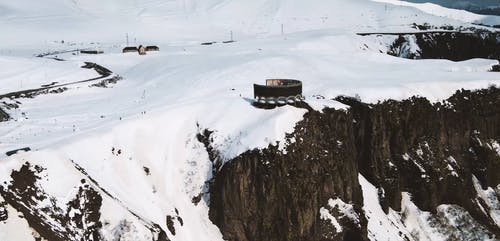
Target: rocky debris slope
<point x="78" y="221"/>
<point x="444" y="156"/>
<point x="83" y="216"/>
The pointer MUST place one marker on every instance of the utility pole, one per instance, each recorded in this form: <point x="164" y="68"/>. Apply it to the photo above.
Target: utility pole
<point x="126" y="37"/>
<point x="282" y="29"/>
<point x="231" y="35"/>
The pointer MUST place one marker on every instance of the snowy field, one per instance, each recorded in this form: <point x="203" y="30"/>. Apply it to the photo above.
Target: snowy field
<point x="165" y="98"/>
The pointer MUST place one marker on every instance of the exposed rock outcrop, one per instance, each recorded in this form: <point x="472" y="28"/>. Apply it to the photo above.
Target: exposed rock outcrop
<point x="432" y="151"/>
<point x="80" y="220"/>
<point x="456" y="46"/>
<point x="3" y="115"/>
<point x="274" y="194"/>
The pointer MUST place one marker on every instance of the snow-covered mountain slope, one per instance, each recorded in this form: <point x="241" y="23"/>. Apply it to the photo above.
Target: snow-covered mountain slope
<point x="129" y="154"/>
<point x="186" y="20"/>
<point x="22" y="73"/>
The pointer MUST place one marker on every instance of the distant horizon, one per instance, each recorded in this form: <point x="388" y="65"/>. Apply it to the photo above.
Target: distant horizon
<point x="486" y="7"/>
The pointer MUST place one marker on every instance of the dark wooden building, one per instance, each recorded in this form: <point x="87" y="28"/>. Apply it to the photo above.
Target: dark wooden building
<point x="152" y="48"/>
<point x="130" y="49"/>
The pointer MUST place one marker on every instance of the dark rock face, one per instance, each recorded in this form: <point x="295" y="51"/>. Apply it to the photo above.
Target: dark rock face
<point x="170" y="224"/>
<point x="456" y="46"/>
<point x="80" y="220"/>
<point x="422" y="141"/>
<point x="4" y="214"/>
<point x="271" y="195"/>
<point x="430" y="150"/>
<point x="3" y="115"/>
<point x="88" y="221"/>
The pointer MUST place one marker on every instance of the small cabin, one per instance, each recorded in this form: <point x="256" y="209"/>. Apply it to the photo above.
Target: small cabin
<point x="208" y="43"/>
<point x="130" y="50"/>
<point x="152" y="48"/>
<point x="142" y="50"/>
<point x="278" y="92"/>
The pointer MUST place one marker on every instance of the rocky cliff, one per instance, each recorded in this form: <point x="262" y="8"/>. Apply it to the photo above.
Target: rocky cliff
<point x="3" y="115"/>
<point x="453" y="44"/>
<point x="49" y="218"/>
<point x="309" y="190"/>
